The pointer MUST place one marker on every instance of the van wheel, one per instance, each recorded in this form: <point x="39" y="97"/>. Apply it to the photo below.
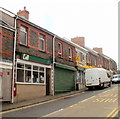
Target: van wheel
<point x="109" y="84"/>
<point x="102" y="86"/>
<point x="90" y="88"/>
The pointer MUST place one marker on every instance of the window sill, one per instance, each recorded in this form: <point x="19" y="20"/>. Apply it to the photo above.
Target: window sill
<point x="22" y="83"/>
<point x="42" y="51"/>
<point x="23" y="45"/>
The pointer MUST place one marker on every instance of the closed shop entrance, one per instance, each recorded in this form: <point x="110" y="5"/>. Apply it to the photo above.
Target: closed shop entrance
<point x="64" y="80"/>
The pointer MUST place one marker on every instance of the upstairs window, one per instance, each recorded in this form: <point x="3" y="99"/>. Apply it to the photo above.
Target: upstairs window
<point x="59" y="48"/>
<point x="23" y="35"/>
<point x="42" y="42"/>
<point x="70" y="53"/>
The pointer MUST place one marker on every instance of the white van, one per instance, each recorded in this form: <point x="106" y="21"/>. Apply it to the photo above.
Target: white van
<point x="97" y="77"/>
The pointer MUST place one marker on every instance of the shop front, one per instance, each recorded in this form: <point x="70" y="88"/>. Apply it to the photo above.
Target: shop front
<point x="31" y="78"/>
<point x="80" y="79"/>
<point x="64" y="78"/>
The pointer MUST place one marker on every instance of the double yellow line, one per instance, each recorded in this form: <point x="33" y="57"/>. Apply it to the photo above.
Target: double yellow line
<point x="114" y="113"/>
<point x="37" y="104"/>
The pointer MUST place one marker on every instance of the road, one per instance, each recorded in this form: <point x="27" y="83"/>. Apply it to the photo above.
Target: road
<point x="91" y="103"/>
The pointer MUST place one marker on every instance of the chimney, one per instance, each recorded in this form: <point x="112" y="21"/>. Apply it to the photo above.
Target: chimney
<point x="99" y="50"/>
<point x="79" y="40"/>
<point x="24" y="13"/>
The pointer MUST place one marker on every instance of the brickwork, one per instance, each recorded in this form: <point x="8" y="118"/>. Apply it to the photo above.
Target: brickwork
<point x="79" y="40"/>
<point x="49" y="45"/>
<point x="65" y="53"/>
<point x="23" y="13"/>
<point x="32" y="48"/>
<point x="64" y="61"/>
<point x="7" y="44"/>
<point x="34" y="38"/>
<point x="99" y="50"/>
<point x="34" y="52"/>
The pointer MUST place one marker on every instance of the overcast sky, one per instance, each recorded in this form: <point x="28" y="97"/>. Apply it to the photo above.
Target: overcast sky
<point x="96" y="20"/>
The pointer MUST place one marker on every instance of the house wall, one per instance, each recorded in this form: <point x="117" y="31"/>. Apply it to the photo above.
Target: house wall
<point x="32" y="47"/>
<point x="6" y="44"/>
<point x="64" y="58"/>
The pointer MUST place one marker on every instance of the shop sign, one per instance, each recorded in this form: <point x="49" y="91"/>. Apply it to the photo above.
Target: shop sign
<point x="25" y="57"/>
<point x="77" y="58"/>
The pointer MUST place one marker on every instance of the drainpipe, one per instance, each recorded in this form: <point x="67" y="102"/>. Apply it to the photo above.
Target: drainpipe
<point x="53" y="73"/>
<point x="13" y="76"/>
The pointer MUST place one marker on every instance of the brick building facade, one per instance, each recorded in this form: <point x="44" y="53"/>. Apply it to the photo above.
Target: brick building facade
<point x="42" y="63"/>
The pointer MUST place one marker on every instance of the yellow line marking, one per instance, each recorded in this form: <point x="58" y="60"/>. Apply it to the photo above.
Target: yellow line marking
<point x="107" y="100"/>
<point x="74" y="105"/>
<point x="109" y="115"/>
<point x="20" y="108"/>
<point x="114" y="100"/>
<point x="102" y="100"/>
<point x="115" y="113"/>
<point x="17" y="109"/>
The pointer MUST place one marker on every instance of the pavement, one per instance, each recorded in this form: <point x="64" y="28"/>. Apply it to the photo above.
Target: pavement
<point x="8" y="106"/>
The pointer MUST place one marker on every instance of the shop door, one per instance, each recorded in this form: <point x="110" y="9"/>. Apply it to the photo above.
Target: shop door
<point x="64" y="80"/>
<point x="47" y="81"/>
<point x="6" y="85"/>
<point x="0" y="87"/>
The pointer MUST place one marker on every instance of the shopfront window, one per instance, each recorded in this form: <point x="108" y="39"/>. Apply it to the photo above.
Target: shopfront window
<point x="27" y="73"/>
<point x="28" y="76"/>
<point x="20" y="75"/>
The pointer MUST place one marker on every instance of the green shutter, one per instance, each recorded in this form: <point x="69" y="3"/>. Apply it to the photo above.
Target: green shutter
<point x="64" y="80"/>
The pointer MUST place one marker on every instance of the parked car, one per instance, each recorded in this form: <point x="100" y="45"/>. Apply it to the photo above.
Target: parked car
<point x="116" y="78"/>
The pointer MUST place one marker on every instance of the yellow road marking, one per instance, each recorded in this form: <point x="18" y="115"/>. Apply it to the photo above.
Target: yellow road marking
<point x="105" y="100"/>
<point x="113" y="113"/>
<point x="17" y="109"/>
<point x="110" y="114"/>
<point x="74" y="105"/>
<point x="114" y="100"/>
<point x="20" y="108"/>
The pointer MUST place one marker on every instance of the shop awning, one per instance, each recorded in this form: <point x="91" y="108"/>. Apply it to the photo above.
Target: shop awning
<point x="65" y="67"/>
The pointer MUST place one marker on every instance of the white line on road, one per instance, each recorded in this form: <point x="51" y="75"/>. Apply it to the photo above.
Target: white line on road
<point x="87" y="99"/>
<point x="52" y="113"/>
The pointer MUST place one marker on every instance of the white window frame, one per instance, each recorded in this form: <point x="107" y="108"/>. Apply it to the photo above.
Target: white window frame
<point x="70" y="52"/>
<point x="60" y="48"/>
<point x="42" y="39"/>
<point x="23" y="29"/>
<point x="32" y="64"/>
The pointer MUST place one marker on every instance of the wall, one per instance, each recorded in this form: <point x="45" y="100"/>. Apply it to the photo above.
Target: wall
<point x="64" y="58"/>
<point x="32" y="47"/>
<point x="6" y="49"/>
<point x="29" y="91"/>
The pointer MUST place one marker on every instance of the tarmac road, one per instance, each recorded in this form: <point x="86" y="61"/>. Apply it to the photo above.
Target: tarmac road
<point x="104" y="104"/>
<point x="91" y="103"/>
